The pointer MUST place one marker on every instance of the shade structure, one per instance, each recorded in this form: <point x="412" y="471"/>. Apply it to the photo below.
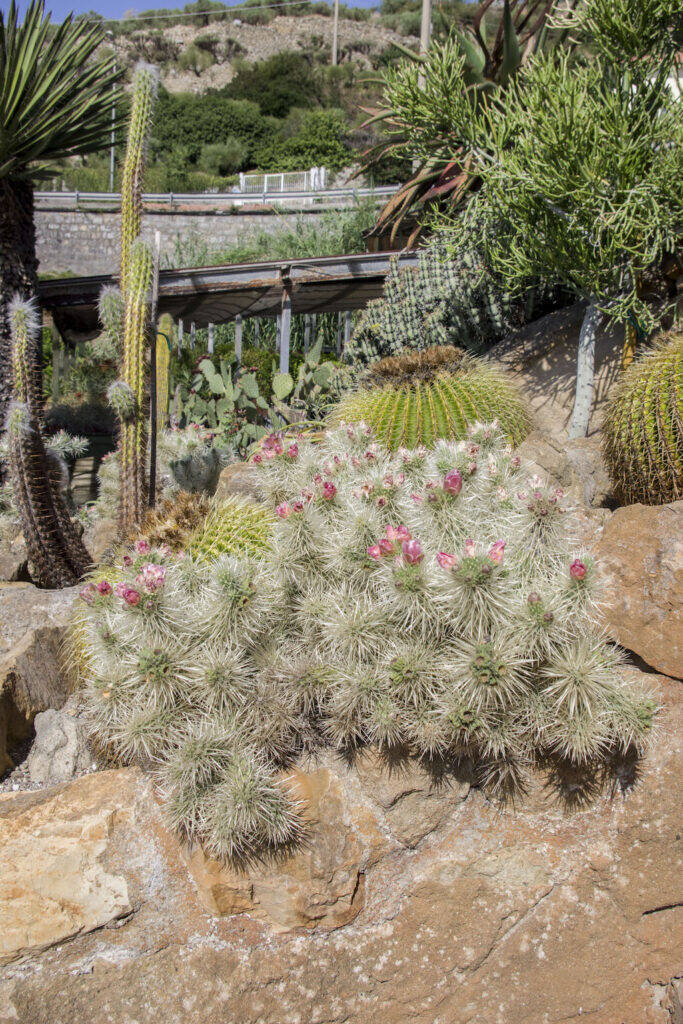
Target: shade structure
<point x="206" y="295"/>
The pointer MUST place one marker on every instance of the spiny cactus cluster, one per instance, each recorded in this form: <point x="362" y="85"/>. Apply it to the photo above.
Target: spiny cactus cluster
<point x="232" y="525"/>
<point x="56" y="554"/>
<point x="644" y="426"/>
<point x="446" y="300"/>
<point x="427" y="601"/>
<point x="124" y="312"/>
<point x="417" y="398"/>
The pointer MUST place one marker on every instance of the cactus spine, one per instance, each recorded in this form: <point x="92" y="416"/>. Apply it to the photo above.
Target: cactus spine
<point x="126" y="317"/>
<point x="56" y="553"/>
<point x="233" y="526"/>
<point x="644" y="426"/>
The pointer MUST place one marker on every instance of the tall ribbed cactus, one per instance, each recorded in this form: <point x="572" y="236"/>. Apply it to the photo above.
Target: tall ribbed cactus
<point x="125" y="314"/>
<point x="419" y="398"/>
<point x="144" y="92"/>
<point x="164" y="338"/>
<point x="56" y="554"/>
<point x="644" y="426"/>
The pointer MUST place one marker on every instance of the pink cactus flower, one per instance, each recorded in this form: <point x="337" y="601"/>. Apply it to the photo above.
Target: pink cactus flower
<point x="355" y="461"/>
<point x="142" y="547"/>
<point x="417" y="497"/>
<point x="152" y="577"/>
<point x="87" y="593"/>
<point x="400" y="479"/>
<point x="293" y="451"/>
<point x="496" y="552"/>
<point x="367" y="488"/>
<point x="131" y="596"/>
<point x="470" y="548"/>
<point x="386" y="546"/>
<point x="577" y="570"/>
<point x="297" y="506"/>
<point x="284" y="510"/>
<point x="388" y="480"/>
<point x="104" y="588"/>
<point x="375" y="552"/>
<point x="329" y="490"/>
<point x="350" y="433"/>
<point x="381" y="502"/>
<point x="120" y="589"/>
<point x="446" y="561"/>
<point x="403" y="533"/>
<point x="318" y="479"/>
<point x="258" y="459"/>
<point x="452" y="482"/>
<point x="412" y="552"/>
<point x="516" y="461"/>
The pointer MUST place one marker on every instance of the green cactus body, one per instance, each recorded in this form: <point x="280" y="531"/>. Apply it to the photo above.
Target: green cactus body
<point x="163" y="368"/>
<point x="644" y="426"/>
<point x="144" y="92"/>
<point x="56" y="552"/>
<point x="233" y="526"/>
<point x="413" y="413"/>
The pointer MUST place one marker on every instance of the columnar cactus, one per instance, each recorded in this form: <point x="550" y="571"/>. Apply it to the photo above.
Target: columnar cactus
<point x="428" y="601"/>
<point x="56" y="553"/>
<point x="644" y="426"/>
<point x="125" y="313"/>
<point x="416" y="399"/>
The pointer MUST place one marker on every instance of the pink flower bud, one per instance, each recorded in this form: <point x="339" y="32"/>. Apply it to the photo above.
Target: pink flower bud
<point x="403" y="533"/>
<point x="329" y="490"/>
<point x="297" y="506"/>
<point x="496" y="552"/>
<point x="452" y="482"/>
<point x="417" y="497"/>
<point x="470" y="548"/>
<point x="142" y="547"/>
<point x="381" y="502"/>
<point x="293" y="451"/>
<point x="104" y="588"/>
<point x="445" y="560"/>
<point x="375" y="552"/>
<point x="386" y="546"/>
<point x="131" y="597"/>
<point x="87" y="593"/>
<point x="412" y="552"/>
<point x="258" y="459"/>
<point x="516" y="461"/>
<point x="577" y="570"/>
<point x="284" y="510"/>
<point x="400" y="479"/>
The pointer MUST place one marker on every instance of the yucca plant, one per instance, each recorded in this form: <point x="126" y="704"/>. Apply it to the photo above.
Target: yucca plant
<point x="431" y="603"/>
<point x="440" y="393"/>
<point x="643" y="430"/>
<point x="56" y="98"/>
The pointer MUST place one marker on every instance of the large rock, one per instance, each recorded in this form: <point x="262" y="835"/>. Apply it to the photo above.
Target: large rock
<point x="576" y="465"/>
<point x="13" y="559"/>
<point x="242" y="479"/>
<point x="60" y="749"/>
<point x="33" y="677"/>
<point x="534" y="915"/>
<point x="640" y="558"/>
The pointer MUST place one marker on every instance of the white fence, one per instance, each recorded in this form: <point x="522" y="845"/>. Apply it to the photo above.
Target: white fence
<point x="312" y="180"/>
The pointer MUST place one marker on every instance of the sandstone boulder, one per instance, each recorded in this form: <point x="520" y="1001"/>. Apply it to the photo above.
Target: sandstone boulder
<point x="536" y="914"/>
<point x="241" y="478"/>
<point x="640" y="557"/>
<point x="13" y="559"/>
<point x="575" y="465"/>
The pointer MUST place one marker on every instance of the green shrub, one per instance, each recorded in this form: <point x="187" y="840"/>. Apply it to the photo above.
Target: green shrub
<point x="318" y="142"/>
<point x="223" y="158"/>
<point x="277" y="83"/>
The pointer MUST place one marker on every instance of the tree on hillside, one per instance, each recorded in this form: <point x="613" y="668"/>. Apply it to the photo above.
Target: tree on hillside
<point x="583" y="161"/>
<point x="56" y="99"/>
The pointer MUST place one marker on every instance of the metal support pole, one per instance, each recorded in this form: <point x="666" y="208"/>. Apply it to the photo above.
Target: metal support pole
<point x="257" y="324"/>
<point x="210" y="339"/>
<point x="238" y="339"/>
<point x="339" y="333"/>
<point x="335" y="33"/>
<point x="278" y="331"/>
<point x="307" y="333"/>
<point x="193" y="334"/>
<point x="181" y="330"/>
<point x="285" y="328"/>
<point x="347" y="328"/>
<point x="425" y="33"/>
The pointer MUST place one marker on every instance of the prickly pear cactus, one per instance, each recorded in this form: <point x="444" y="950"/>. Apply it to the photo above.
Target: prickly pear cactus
<point x="643" y="428"/>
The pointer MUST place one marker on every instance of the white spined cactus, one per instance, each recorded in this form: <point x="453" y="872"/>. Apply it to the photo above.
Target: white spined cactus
<point x="432" y="601"/>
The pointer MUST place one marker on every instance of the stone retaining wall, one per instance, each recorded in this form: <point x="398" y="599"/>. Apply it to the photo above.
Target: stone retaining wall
<point x="83" y="242"/>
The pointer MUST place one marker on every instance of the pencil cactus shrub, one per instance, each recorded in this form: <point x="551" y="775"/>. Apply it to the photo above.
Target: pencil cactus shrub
<point x="643" y="431"/>
<point x="56" y="554"/>
<point x="396" y="603"/>
<point x="415" y="399"/>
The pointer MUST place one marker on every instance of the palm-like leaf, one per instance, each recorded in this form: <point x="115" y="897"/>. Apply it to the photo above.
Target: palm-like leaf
<point x="56" y="93"/>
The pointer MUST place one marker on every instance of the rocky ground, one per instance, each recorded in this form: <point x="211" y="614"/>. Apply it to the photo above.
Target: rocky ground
<point x="413" y="900"/>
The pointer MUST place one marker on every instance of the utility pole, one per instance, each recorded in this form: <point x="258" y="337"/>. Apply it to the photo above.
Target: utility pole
<point x="335" y="32"/>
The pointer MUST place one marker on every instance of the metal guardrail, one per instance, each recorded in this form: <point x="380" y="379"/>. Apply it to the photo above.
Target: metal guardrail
<point x="317" y="196"/>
